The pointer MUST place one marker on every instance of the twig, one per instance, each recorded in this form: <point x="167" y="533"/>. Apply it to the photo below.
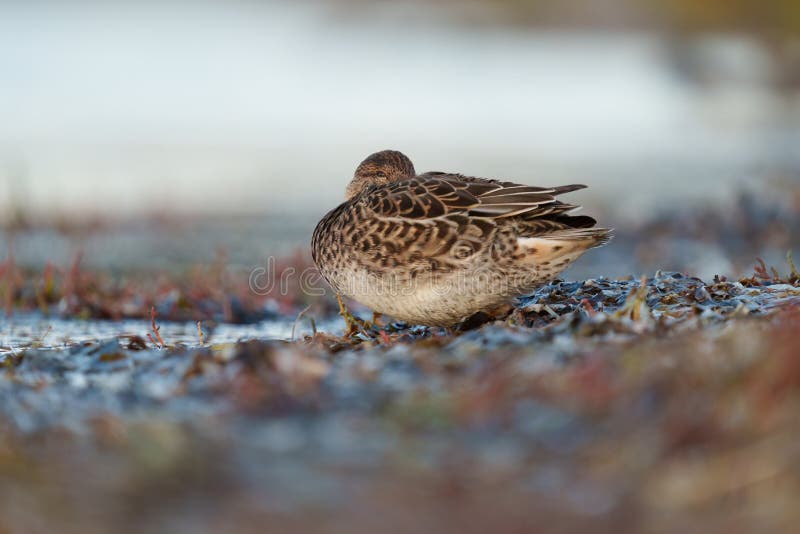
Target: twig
<point x="40" y="341"/>
<point x="793" y="275"/>
<point x="200" y="335"/>
<point x="155" y="329"/>
<point x="760" y="270"/>
<point x="313" y="324"/>
<point x="299" y="316"/>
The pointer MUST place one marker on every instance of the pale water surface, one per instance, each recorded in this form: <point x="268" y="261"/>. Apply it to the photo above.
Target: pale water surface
<point x="267" y="107"/>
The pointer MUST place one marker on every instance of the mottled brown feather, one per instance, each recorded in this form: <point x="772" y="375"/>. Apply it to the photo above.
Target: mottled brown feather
<point x="446" y="223"/>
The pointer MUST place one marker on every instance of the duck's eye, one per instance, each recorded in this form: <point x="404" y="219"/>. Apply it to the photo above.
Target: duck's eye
<point x="380" y="174"/>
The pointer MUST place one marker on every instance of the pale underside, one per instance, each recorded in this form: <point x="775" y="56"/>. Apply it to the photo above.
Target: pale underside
<point x="445" y="298"/>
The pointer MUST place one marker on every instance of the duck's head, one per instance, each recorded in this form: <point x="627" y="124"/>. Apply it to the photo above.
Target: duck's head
<point x="380" y="168"/>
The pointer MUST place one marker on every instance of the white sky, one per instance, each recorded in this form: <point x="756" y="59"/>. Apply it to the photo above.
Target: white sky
<point x="270" y="106"/>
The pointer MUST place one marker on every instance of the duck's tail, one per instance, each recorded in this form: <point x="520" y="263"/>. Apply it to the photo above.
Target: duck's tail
<point x="553" y="252"/>
<point x="593" y="237"/>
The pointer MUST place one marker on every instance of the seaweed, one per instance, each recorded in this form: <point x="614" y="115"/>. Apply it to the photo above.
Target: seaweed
<point x="624" y="416"/>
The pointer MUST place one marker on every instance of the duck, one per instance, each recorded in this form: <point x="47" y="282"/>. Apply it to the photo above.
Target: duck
<point x="436" y="248"/>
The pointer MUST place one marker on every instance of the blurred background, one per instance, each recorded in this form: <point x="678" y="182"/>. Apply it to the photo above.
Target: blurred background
<point x="241" y="122"/>
<point x="153" y="154"/>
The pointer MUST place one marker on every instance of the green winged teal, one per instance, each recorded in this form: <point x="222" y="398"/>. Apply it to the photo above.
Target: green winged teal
<point x="435" y="248"/>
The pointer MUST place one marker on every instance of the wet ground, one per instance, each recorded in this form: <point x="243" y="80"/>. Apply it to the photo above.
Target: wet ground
<point x="605" y="403"/>
<point x="178" y="399"/>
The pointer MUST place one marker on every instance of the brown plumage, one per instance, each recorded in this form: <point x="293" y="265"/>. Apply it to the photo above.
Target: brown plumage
<point x="435" y="248"/>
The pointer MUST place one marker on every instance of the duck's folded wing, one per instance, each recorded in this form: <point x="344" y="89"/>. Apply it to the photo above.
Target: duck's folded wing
<point x="434" y="195"/>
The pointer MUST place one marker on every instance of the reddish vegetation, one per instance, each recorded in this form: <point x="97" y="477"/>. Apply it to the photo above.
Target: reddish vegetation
<point x="651" y="430"/>
<point x="200" y="292"/>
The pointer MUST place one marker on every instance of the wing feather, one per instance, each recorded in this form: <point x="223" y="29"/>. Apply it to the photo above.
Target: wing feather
<point x="436" y="194"/>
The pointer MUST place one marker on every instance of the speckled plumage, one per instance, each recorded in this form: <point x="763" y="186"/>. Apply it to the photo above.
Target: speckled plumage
<point x="436" y="248"/>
